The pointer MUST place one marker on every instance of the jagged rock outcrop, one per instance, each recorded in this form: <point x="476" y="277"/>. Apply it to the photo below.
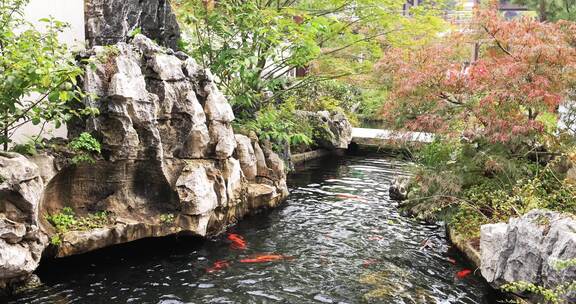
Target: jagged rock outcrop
<point x="21" y="241"/>
<point x="528" y="249"/>
<point x="112" y="21"/>
<point x="170" y="162"/>
<point x="399" y="187"/>
<point x="334" y="131"/>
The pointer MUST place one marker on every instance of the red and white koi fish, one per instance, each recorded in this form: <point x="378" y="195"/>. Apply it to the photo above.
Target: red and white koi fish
<point x="369" y="262"/>
<point x="265" y="258"/>
<point x="218" y="265"/>
<point x="375" y="238"/>
<point x="463" y="273"/>
<point x="237" y="240"/>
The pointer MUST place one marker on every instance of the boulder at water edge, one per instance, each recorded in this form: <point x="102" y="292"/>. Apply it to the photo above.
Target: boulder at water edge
<point x="528" y="249"/>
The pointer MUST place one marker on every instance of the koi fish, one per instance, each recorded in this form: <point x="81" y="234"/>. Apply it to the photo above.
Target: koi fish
<point x="265" y="258"/>
<point x="238" y="241"/>
<point x="451" y="261"/>
<point x="463" y="273"/>
<point x="375" y="238"/>
<point x="351" y="196"/>
<point x="218" y="265"/>
<point x="426" y="244"/>
<point x="369" y="262"/>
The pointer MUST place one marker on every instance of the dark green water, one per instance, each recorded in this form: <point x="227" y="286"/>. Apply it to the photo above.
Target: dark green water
<point x="343" y="250"/>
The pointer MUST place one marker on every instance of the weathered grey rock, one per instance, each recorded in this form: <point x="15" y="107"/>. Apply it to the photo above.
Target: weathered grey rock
<point x="21" y="241"/>
<point x="222" y="138"/>
<point x="234" y="178"/>
<point x="217" y="108"/>
<point x="335" y="131"/>
<point x="112" y="21"/>
<point x="46" y="165"/>
<point x="398" y="190"/>
<point x="528" y="248"/>
<point x="262" y="168"/>
<point x="245" y="153"/>
<point x="196" y="190"/>
<point x="167" y="67"/>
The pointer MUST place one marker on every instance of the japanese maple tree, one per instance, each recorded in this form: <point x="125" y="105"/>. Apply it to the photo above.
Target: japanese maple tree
<point x="521" y="75"/>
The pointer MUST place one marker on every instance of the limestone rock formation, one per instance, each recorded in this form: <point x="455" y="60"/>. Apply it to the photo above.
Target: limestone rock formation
<point x="170" y="163"/>
<point x="528" y="249"/>
<point x="112" y="21"/>
<point x="399" y="187"/>
<point x="335" y="130"/>
<point x="21" y="241"/>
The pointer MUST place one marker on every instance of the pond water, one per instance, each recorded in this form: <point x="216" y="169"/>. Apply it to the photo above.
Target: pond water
<point x="342" y="239"/>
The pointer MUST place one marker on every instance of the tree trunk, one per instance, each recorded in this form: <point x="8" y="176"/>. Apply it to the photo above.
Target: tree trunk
<point x="543" y="14"/>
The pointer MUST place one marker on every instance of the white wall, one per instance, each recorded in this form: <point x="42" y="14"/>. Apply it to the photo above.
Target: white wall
<point x="72" y="12"/>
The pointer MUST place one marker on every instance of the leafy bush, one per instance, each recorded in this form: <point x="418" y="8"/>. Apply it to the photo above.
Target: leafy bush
<point x="279" y="125"/>
<point x="27" y="148"/>
<point x="471" y="184"/>
<point x="85" y="147"/>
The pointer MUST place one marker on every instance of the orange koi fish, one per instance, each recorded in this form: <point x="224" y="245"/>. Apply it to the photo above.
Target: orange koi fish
<point x="351" y="196"/>
<point x="218" y="265"/>
<point x="265" y="258"/>
<point x="463" y="273"/>
<point x="238" y="241"/>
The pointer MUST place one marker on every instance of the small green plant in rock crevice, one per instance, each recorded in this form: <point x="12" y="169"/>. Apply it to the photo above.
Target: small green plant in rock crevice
<point x="167" y="218"/>
<point x="56" y="240"/>
<point x="85" y="147"/>
<point x="66" y="220"/>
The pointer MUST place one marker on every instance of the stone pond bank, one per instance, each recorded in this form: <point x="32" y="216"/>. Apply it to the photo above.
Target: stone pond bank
<point x="528" y="249"/>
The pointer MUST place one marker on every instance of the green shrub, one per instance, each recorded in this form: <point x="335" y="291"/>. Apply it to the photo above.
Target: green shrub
<point x="279" y="125"/>
<point x="85" y="148"/>
<point x="28" y="148"/>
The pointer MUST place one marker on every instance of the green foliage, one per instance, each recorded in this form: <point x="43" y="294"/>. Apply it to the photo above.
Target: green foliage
<point x="372" y="102"/>
<point x="555" y="295"/>
<point x="167" y="218"/>
<point x="548" y="295"/>
<point x="85" y="147"/>
<point x="27" y="148"/>
<point x="38" y="74"/>
<point x="252" y="45"/>
<point x="135" y="32"/>
<point x="56" y="240"/>
<point x="561" y="265"/>
<point x="279" y="125"/>
<point x="330" y="95"/>
<point x="552" y="10"/>
<point x="66" y="220"/>
<point x="63" y="220"/>
<point x="474" y="184"/>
